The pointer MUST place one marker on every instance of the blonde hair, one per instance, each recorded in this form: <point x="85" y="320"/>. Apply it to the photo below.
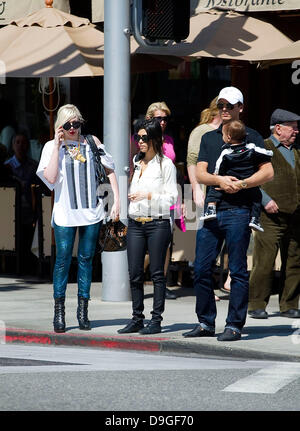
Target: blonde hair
<point x="161" y="106"/>
<point x="66" y="113"/>
<point x="208" y="114"/>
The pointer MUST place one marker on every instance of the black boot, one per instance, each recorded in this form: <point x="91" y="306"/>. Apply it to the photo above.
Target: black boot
<point x="153" y="327"/>
<point x="82" y="314"/>
<point x="133" y="326"/>
<point x="59" y="323"/>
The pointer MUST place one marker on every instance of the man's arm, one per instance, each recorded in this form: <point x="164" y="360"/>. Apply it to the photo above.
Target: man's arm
<point x="231" y="184"/>
<point x="226" y="183"/>
<point x="264" y="174"/>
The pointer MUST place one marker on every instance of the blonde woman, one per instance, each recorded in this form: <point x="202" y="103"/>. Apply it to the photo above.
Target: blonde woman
<point x="67" y="166"/>
<point x="209" y="120"/>
<point x="161" y="111"/>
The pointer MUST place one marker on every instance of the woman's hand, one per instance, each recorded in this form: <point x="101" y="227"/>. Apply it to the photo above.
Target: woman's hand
<point x="198" y="196"/>
<point x="115" y="211"/>
<point x="139" y="196"/>
<point x="59" y="136"/>
<point x="51" y="171"/>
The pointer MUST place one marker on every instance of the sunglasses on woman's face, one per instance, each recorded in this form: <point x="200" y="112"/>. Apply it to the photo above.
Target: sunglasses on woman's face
<point x="138" y="137"/>
<point x="75" y="124"/>
<point x="228" y="106"/>
<point x="160" y="119"/>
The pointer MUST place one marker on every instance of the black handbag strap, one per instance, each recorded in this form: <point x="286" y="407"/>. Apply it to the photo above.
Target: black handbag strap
<point x="98" y="152"/>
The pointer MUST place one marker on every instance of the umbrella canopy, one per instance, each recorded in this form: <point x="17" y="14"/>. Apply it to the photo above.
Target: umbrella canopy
<point x="227" y="35"/>
<point x="286" y="54"/>
<point x="51" y="43"/>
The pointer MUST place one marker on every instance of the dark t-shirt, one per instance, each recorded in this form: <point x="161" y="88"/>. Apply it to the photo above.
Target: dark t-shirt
<point x="210" y="150"/>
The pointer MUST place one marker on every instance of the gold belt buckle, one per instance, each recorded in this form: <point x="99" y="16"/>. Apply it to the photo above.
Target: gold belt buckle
<point x="143" y="220"/>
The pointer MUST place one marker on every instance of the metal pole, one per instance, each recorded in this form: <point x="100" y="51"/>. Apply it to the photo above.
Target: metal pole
<point x="115" y="280"/>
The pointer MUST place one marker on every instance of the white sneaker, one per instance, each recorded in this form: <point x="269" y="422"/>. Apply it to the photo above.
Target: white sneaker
<point x="255" y="225"/>
<point x="210" y="213"/>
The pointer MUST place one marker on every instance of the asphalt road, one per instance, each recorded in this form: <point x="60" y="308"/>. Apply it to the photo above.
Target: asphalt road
<point x="48" y="378"/>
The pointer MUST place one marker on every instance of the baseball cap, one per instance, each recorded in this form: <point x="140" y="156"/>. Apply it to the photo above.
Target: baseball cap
<point x="231" y="94"/>
<point x="280" y="116"/>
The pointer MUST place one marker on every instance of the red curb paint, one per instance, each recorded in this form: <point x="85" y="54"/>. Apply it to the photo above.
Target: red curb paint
<point x="76" y="334"/>
<point x="27" y="339"/>
<point x="23" y="336"/>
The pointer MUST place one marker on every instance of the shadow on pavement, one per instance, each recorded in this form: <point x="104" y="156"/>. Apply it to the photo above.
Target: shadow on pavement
<point x="267" y="331"/>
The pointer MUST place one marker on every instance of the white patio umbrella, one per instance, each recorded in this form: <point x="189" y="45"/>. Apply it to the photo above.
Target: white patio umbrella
<point x="228" y="35"/>
<point x="287" y="54"/>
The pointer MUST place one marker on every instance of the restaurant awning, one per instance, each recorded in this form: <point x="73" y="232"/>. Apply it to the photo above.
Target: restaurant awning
<point x="51" y="43"/>
<point x="287" y="54"/>
<point x="14" y="9"/>
<point x="227" y="35"/>
<point x="198" y="6"/>
<point x="247" y="5"/>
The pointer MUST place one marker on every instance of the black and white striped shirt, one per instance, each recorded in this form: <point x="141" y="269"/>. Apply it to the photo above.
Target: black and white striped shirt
<point x="76" y="202"/>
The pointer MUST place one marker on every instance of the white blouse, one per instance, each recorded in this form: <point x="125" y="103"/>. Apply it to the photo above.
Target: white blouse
<point x="159" y="178"/>
<point x="75" y="191"/>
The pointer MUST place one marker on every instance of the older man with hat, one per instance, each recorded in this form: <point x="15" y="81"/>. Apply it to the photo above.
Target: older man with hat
<point x="281" y="222"/>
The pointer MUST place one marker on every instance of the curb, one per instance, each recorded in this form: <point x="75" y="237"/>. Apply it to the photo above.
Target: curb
<point x="99" y="341"/>
<point x="160" y="345"/>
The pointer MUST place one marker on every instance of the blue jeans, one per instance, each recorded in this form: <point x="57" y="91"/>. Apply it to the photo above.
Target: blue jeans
<point x="64" y="239"/>
<point x="233" y="227"/>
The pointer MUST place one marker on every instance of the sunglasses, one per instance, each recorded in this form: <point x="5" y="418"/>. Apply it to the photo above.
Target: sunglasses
<point x="165" y="119"/>
<point x="138" y="137"/>
<point x="75" y="124"/>
<point x="228" y="106"/>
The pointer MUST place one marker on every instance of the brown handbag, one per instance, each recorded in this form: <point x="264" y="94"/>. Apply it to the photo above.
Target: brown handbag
<point x="112" y="236"/>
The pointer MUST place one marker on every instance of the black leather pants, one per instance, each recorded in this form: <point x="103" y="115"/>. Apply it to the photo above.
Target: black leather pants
<point x="155" y="237"/>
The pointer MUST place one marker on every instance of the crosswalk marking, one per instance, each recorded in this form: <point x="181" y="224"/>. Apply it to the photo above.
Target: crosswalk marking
<point x="267" y="380"/>
<point x="264" y="377"/>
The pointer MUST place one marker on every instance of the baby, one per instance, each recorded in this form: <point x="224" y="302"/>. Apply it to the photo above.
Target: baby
<point x="239" y="159"/>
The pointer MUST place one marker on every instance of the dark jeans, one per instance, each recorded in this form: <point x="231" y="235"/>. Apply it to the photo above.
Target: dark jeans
<point x="231" y="226"/>
<point x="155" y="237"/>
<point x="64" y="239"/>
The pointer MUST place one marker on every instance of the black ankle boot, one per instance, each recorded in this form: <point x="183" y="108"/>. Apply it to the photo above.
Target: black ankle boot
<point x="59" y="323"/>
<point x="153" y="327"/>
<point x="82" y="314"/>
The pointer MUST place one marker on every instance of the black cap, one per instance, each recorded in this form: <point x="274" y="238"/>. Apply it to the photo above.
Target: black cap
<point x="280" y="116"/>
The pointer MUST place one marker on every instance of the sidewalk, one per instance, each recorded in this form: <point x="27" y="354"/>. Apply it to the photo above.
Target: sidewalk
<point x="26" y="310"/>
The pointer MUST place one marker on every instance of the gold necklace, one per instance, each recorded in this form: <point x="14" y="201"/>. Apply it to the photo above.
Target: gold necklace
<point x="75" y="152"/>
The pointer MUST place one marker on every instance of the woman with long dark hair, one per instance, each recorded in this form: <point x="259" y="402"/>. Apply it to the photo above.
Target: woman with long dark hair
<point x="152" y="191"/>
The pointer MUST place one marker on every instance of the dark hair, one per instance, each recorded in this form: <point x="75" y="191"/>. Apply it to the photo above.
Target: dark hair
<point x="154" y="133"/>
<point x="236" y="129"/>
